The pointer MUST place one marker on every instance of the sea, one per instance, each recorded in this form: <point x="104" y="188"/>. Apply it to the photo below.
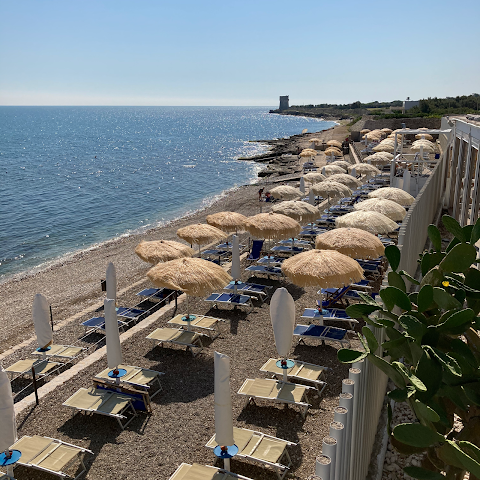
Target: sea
<point x="75" y="177"/>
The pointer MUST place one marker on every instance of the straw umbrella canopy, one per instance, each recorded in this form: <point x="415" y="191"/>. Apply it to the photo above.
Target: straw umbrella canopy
<point x="364" y="169"/>
<point x="364" y="131"/>
<point x="387" y="130"/>
<point x="200" y="234"/>
<point x="384" y="148"/>
<point x="426" y="136"/>
<point x="375" y="135"/>
<point x="312" y="150"/>
<point x="334" y="143"/>
<point x="390" y="209"/>
<point x="315" y="140"/>
<point x="345" y="179"/>
<point x="300" y="211"/>
<point x="331" y="189"/>
<point x="332" y="170"/>
<point x="308" y="152"/>
<point x="314" y="177"/>
<point x="372" y="222"/>
<point x="378" y="160"/>
<point x="422" y="146"/>
<point x="157" y="251"/>
<point x="333" y="151"/>
<point x="272" y="226"/>
<point x="353" y="242"/>
<point x="341" y="163"/>
<point x="286" y="192"/>
<point x="229" y="222"/>
<point x="395" y="194"/>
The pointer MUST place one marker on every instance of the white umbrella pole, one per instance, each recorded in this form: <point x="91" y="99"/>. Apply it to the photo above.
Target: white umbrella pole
<point x="321" y="307"/>
<point x="187" y="316"/>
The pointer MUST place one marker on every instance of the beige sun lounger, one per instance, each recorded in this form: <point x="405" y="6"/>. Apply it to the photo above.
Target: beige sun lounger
<point x="261" y="448"/>
<point x="141" y="378"/>
<point x="41" y="367"/>
<point x="302" y="371"/>
<point x="103" y="402"/>
<point x="61" y="351"/>
<point x="50" y="455"/>
<point x="276" y="391"/>
<point x="191" y="340"/>
<point x="202" y="472"/>
<point x="202" y="322"/>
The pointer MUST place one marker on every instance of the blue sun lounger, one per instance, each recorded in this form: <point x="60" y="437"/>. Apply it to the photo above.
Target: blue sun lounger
<point x="271" y="261"/>
<point x="97" y="324"/>
<point x="262" y="269"/>
<point x="312" y="232"/>
<point x="251" y="289"/>
<point x="333" y="314"/>
<point x="333" y="296"/>
<point x="321" y="332"/>
<point x="131" y="313"/>
<point x="155" y="293"/>
<point x="236" y="300"/>
<point x="287" y="250"/>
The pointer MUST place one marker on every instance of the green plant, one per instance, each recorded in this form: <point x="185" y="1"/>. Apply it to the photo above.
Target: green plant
<point x="432" y="354"/>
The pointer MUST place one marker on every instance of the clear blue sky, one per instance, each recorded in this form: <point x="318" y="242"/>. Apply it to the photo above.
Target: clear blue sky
<point x="186" y="52"/>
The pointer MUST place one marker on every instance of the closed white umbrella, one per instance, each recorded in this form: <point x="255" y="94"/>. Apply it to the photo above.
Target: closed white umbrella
<point x="111" y="282"/>
<point x="353" y="172"/>
<point x="223" y="410"/>
<point x="236" y="272"/>
<point x="311" y="197"/>
<point x="406" y="181"/>
<point x="41" y="320"/>
<point x="8" y="429"/>
<point x="114" y="350"/>
<point x="282" y="316"/>
<point x="302" y="185"/>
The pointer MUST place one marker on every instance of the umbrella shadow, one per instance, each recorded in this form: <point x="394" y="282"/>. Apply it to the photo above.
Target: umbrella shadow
<point x="232" y="317"/>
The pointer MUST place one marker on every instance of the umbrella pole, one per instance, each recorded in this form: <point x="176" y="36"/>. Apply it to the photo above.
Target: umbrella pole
<point x="187" y="316"/>
<point x="226" y="464"/>
<point x="285" y="377"/>
<point x="321" y="307"/>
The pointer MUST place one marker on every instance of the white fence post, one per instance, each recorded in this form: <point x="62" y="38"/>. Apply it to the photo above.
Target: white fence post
<point x="337" y="430"/>
<point x="329" y="448"/>
<point x="322" y="466"/>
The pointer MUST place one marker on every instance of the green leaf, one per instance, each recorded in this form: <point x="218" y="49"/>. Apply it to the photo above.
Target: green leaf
<point x="430" y="260"/>
<point x="453" y="227"/>
<point x="425" y="298"/>
<point x="472" y="391"/>
<point x="423" y="474"/>
<point x="392" y="253"/>
<point x="444" y="300"/>
<point x="345" y="355"/>
<point x="447" y="361"/>
<point x="475" y="236"/>
<point x="371" y="340"/>
<point x="429" y="371"/>
<point x="425" y="413"/>
<point x="435" y="237"/>
<point x="409" y="277"/>
<point x="470" y="464"/>
<point x="459" y="258"/>
<point x="414" y="380"/>
<point x="472" y="283"/>
<point x="385" y="367"/>
<point x="396" y="280"/>
<point x="455" y="395"/>
<point x="398" y="395"/>
<point x="433" y="277"/>
<point x="360" y="309"/>
<point x="455" y="241"/>
<point x="457" y="319"/>
<point x="414" y="327"/>
<point x="367" y="299"/>
<point x="392" y="296"/>
<point x="470" y="449"/>
<point x="460" y="347"/>
<point x="416" y="435"/>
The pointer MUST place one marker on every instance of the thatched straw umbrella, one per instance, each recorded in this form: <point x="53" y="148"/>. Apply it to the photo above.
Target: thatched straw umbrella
<point x="322" y="269"/>
<point x="286" y="192"/>
<point x="386" y="147"/>
<point x="395" y="194"/>
<point x="302" y="212"/>
<point x="364" y="131"/>
<point x="390" y="209"/>
<point x="331" y="190"/>
<point x="157" y="251"/>
<point x="229" y="222"/>
<point x="332" y="151"/>
<point x="314" y="177"/>
<point x="341" y="163"/>
<point x="387" y="130"/>
<point x="200" y="234"/>
<point x="425" y="136"/>
<point x="345" y="179"/>
<point x="334" y="143"/>
<point x="380" y="158"/>
<point x="273" y="226"/>
<point x="315" y="140"/>
<point x="372" y="222"/>
<point x="332" y="170"/>
<point x="364" y="169"/>
<point x="353" y="242"/>
<point x="194" y="276"/>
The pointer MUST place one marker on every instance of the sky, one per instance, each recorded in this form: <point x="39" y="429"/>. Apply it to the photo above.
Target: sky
<point x="190" y="52"/>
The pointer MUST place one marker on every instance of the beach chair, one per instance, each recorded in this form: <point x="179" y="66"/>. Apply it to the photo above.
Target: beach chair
<point x="287" y="250"/>
<point x="202" y="472"/>
<point x="321" y="332"/>
<point x="332" y="314"/>
<point x="190" y="340"/>
<point x="235" y="299"/>
<point x="297" y="242"/>
<point x="228" y="246"/>
<point x="137" y="377"/>
<point x="328" y="220"/>
<point x="155" y="294"/>
<point x="203" y="322"/>
<point x="50" y="455"/>
<point x="216" y="255"/>
<point x="254" y="289"/>
<point x="256" y="251"/>
<point x="333" y="296"/>
<point x="133" y="314"/>
<point x="271" y="261"/>
<point x="68" y="352"/>
<point x="41" y="367"/>
<point x="258" y="447"/>
<point x="264" y="270"/>
<point x="97" y="324"/>
<point x="301" y="371"/>
<point x="276" y="391"/>
<point x="103" y="402"/>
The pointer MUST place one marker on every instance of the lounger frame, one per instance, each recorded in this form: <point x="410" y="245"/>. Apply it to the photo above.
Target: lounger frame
<point x="196" y="344"/>
<point x="344" y="341"/>
<point x="212" y="332"/>
<point x="219" y="470"/>
<point x="245" y="300"/>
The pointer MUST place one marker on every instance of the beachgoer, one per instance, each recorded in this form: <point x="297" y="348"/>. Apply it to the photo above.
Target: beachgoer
<point x="267" y="196"/>
<point x="260" y="193"/>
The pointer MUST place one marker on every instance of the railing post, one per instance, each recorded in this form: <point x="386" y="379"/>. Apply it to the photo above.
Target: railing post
<point x="329" y="448"/>
<point x="322" y="467"/>
<point x="337" y="430"/>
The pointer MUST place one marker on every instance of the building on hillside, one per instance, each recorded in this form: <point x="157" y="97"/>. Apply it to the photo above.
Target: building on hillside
<point x="284" y="102"/>
<point x="408" y="104"/>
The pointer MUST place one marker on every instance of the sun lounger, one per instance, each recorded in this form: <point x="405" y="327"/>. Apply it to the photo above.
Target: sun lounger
<point x="258" y="447"/>
<point x="203" y="472"/>
<point x="97" y="324"/>
<point x="256" y="250"/>
<point x="252" y="289"/>
<point x="333" y="297"/>
<point x="301" y="371"/>
<point x="202" y="322"/>
<point x="297" y="242"/>
<point x="155" y="294"/>
<point x="276" y="391"/>
<point x="262" y="269"/>
<point x="215" y="255"/>
<point x="50" y="455"/>
<point x="271" y="261"/>
<point x="41" y="367"/>
<point x="326" y="219"/>
<point x="287" y="250"/>
<point x="104" y="402"/>
<point x="333" y="314"/>
<point x="68" y="352"/>
<point x="139" y="378"/>
<point x="228" y="246"/>
<point x="130" y="313"/>
<point x="321" y="332"/>
<point x="235" y="299"/>
<point x="191" y="340"/>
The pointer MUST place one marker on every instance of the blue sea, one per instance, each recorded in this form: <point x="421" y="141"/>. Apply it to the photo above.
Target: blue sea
<point x="74" y="177"/>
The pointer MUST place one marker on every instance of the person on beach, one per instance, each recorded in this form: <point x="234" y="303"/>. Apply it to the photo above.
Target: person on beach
<point x="267" y="196"/>
<point x="260" y="193"/>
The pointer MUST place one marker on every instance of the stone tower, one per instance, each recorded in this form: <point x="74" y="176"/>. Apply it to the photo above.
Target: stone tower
<point x="283" y="102"/>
